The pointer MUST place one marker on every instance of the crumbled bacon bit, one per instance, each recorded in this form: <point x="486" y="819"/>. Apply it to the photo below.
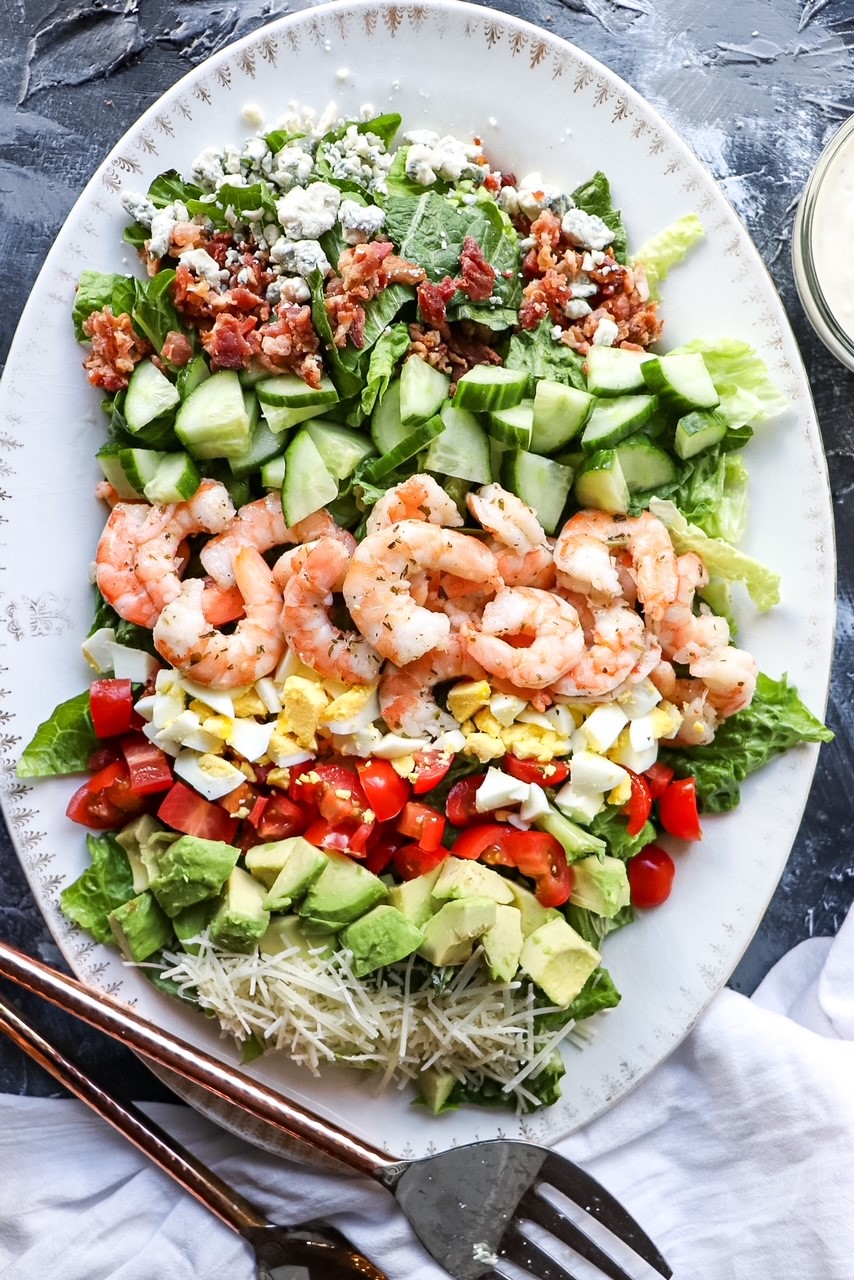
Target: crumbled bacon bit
<point x="492" y="182"/>
<point x="116" y="348"/>
<point x="365" y="270"/>
<point x="546" y="228"/>
<point x="290" y="343"/>
<point x="477" y="276"/>
<point x="177" y="349"/>
<point x="433" y="300"/>
<point x="186" y="235"/>
<point x="547" y="295"/>
<point x="227" y="342"/>
<point x="452" y="349"/>
<point x="192" y="295"/>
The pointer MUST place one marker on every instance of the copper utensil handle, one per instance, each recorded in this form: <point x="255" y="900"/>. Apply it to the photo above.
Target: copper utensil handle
<point x="148" y="1137"/>
<point x="117" y="1020"/>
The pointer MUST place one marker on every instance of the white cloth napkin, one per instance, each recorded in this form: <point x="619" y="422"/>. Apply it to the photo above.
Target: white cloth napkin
<point x="736" y="1155"/>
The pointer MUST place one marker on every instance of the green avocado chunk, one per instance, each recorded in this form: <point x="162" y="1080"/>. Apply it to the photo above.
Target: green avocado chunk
<point x="450" y="934"/>
<point x="283" y="933"/>
<point x="140" y="927"/>
<point x="191" y="869"/>
<point x="303" y="864"/>
<point x="435" y="1087"/>
<point x="379" y="938"/>
<point x="600" y="885"/>
<point x="240" y="918"/>
<point x="559" y="961"/>
<point x="502" y="944"/>
<point x="265" y="861"/>
<point x="463" y="878"/>
<point x="531" y="911"/>
<point x="414" y="898"/>
<point x="192" y="921"/>
<point x="342" y="892"/>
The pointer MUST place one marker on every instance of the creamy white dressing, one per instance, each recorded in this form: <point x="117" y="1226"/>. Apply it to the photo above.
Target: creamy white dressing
<point x="832" y="235"/>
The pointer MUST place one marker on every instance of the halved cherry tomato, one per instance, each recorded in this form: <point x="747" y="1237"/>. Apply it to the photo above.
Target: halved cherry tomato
<point x="545" y="775"/>
<point x="658" y="778"/>
<point x="257" y="811"/>
<point x="344" y="837"/>
<point x="430" y="769"/>
<point x="333" y="788"/>
<point x="651" y="875"/>
<point x="102" y="756"/>
<point x="460" y="806"/>
<point x="543" y="858"/>
<point x="382" y="850"/>
<point x="422" y="824"/>
<point x="491" y="842"/>
<point x="677" y="810"/>
<point x="106" y="799"/>
<point x="385" y="790"/>
<point x="639" y="806"/>
<point x="281" y="819"/>
<point x="242" y="798"/>
<point x="148" y="766"/>
<point x="412" y="860"/>
<point x="185" y="810"/>
<point x="111" y="705"/>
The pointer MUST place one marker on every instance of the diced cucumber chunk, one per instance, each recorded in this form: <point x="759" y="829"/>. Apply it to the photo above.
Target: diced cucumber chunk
<point x="191" y="376"/>
<point x="697" y="431"/>
<point x="140" y="466"/>
<point x="175" y="480"/>
<point x="341" y="448"/>
<point x="387" y="429"/>
<point x="560" y="411"/>
<point x="612" y="420"/>
<point x="682" y="381"/>
<point x="462" y="449"/>
<point x="601" y="483"/>
<point x="613" y="371"/>
<point x="308" y="486"/>
<point x="280" y="418"/>
<point x="394" y="442"/>
<point x="127" y="481"/>
<point x="254" y="374"/>
<point x="289" y="391"/>
<point x="540" y="482"/>
<point x="644" y="466"/>
<point x="423" y="391"/>
<point x="213" y="422"/>
<point x="263" y="445"/>
<point x="149" y="394"/>
<point x="512" y="427"/>
<point x="487" y="387"/>
<point x="273" y="473"/>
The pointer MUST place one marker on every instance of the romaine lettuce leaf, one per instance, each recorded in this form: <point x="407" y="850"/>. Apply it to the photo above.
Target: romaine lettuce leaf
<point x="388" y="349"/>
<point x="170" y="186"/>
<point x="594" y="197"/>
<point x="713" y="495"/>
<point x="775" y="721"/>
<point x="536" y="351"/>
<point x="592" y="927"/>
<point x="664" y="250"/>
<point x="154" y="312"/>
<point x="61" y="744"/>
<point x="748" y="395"/>
<point x="611" y="825"/>
<point x="102" y="887"/>
<point x="720" y="558"/>
<point x="96" y="290"/>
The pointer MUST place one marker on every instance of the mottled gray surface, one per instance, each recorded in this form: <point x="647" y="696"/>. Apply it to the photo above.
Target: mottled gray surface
<point x="755" y="86"/>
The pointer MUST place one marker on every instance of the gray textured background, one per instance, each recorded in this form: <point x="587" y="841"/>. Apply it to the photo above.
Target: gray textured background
<point x="755" y="87"/>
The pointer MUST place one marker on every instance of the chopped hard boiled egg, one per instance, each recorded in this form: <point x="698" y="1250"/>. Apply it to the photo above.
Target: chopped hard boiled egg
<point x="251" y="738"/>
<point x="210" y="775"/>
<point x="594" y="773"/>
<point x="602" y="727"/>
<point x="220" y="701"/>
<point x="506" y="707"/>
<point x="97" y="649"/>
<point x="498" y="790"/>
<point x="304" y="703"/>
<point x="482" y="745"/>
<point x="532" y="742"/>
<point x="467" y="698"/>
<point x="392" y="746"/>
<point x="639" y="699"/>
<point x="353" y="710"/>
<point x="133" y="664"/>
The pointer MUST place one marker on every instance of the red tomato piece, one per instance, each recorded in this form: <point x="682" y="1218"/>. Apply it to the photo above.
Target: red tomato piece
<point x="386" y="792"/>
<point x="241" y="798"/>
<point x="106" y="799"/>
<point x="491" y="841"/>
<point x="658" y="778"/>
<point x="102" y="756"/>
<point x="460" y="807"/>
<point x="430" y="769"/>
<point x="543" y="859"/>
<point x="545" y="775"/>
<point x="412" y="860"/>
<point x="343" y="837"/>
<point x="258" y="808"/>
<point x="281" y="819"/>
<point x="185" y="810"/>
<point x="651" y="875"/>
<point x="149" y="768"/>
<point x="421" y="823"/>
<point x="677" y="809"/>
<point x="382" y="850"/>
<point x="111" y="705"/>
<point x="639" y="806"/>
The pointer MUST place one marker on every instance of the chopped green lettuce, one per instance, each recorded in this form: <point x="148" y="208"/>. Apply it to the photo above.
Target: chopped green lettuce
<point x="748" y="395"/>
<point x="593" y="927"/>
<point x="667" y="248"/>
<point x="170" y="186"/>
<point x="127" y="633"/>
<point x="611" y="825"/>
<point x="536" y="351"/>
<point x="61" y="744"/>
<point x="382" y="127"/>
<point x="713" y="495"/>
<point x="594" y="197"/>
<point x="276" y="139"/>
<point x="775" y="721"/>
<point x="720" y="558"/>
<point x="103" y="886"/>
<point x="243" y="200"/>
<point x="388" y="349"/>
<point x="153" y="312"/>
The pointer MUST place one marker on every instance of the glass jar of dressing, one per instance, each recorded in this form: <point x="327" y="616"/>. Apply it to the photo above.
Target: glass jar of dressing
<point x="822" y="257"/>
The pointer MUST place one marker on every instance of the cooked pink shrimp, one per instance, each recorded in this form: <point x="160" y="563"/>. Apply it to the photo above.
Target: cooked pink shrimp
<point x="686" y="636"/>
<point x="261" y="525"/>
<point x="691" y="698"/>
<point x="418" y="498"/>
<point x="584" y="560"/>
<point x="524" y="554"/>
<point x="331" y="652"/>
<point x="729" y="675"/>
<point x="115" y="564"/>
<point x="378" y="588"/>
<point x="557" y="638"/>
<point x="291" y="562"/>
<point x="406" y="693"/>
<point x="187" y="641"/>
<point x="158" y="565"/>
<point x="616" y="641"/>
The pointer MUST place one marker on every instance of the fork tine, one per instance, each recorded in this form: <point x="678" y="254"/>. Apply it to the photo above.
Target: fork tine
<point x="589" y="1194"/>
<point x="530" y="1257"/>
<point x="549" y="1217"/>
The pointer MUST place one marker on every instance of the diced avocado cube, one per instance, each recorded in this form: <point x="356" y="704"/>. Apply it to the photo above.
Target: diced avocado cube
<point x="600" y="885"/>
<point x="192" y="921"/>
<point x="140" y="927"/>
<point x="134" y="838"/>
<point x="450" y="934"/>
<point x="559" y="961"/>
<point x="192" y="869"/>
<point x="435" y="1087"/>
<point x="532" y="913"/>
<point x="265" y="861"/>
<point x="283" y="933"/>
<point x="240" y="919"/>
<point x="463" y="878"/>
<point x="414" y="898"/>
<point x="303" y="865"/>
<point x="502" y="944"/>
<point x="380" y="937"/>
<point x="341" y="893"/>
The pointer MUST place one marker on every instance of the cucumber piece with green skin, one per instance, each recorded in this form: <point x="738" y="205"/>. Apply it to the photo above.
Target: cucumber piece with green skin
<point x="191" y="376"/>
<point x="682" y="381"/>
<point x="462" y="448"/>
<point x="423" y="391"/>
<point x="149" y="395"/>
<point x="613" y="371"/>
<point x="601" y="483"/>
<point x="263" y="445"/>
<point x="126" y="480"/>
<point x="418" y="438"/>
<point x="308" y="485"/>
<point x="512" y="427"/>
<point x="213" y="422"/>
<point x="387" y="429"/>
<point x="612" y="420"/>
<point x="698" y="430"/>
<point x="279" y="418"/>
<point x="175" y="480"/>
<point x="645" y="467"/>
<point x="560" y="411"/>
<point x="541" y="483"/>
<point x="287" y="390"/>
<point x="341" y="448"/>
<point x="251" y="376"/>
<point x="273" y="473"/>
<point x="488" y="387"/>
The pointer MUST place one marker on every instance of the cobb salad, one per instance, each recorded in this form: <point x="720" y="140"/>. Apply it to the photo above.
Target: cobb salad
<point x="413" y="642"/>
